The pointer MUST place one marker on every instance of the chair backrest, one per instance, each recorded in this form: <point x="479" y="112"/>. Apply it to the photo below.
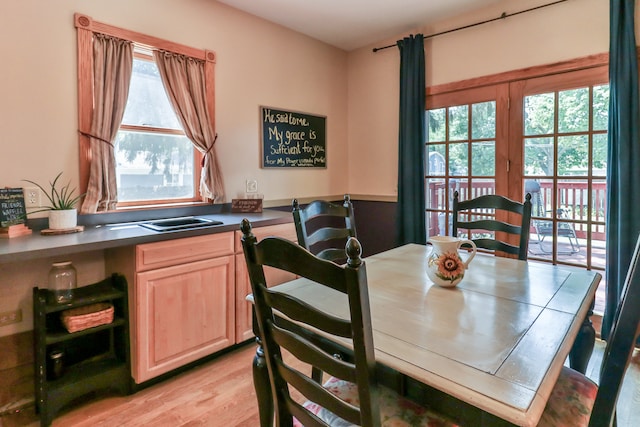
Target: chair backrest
<point x="323" y="228"/>
<point x="620" y="344"/>
<point x="287" y="323"/>
<point x="481" y="214"/>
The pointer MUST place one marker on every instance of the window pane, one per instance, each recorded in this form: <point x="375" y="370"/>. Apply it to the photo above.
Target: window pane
<point x="148" y="104"/>
<point x="458" y="123"/>
<point x="437" y="164"/>
<point x="153" y="166"/>
<point x="573" y="110"/>
<point x="483" y="155"/>
<point x="599" y="166"/>
<point x="459" y="159"/>
<point x="436" y="125"/>
<point x="538" y="156"/>
<point x="483" y="120"/>
<point x="600" y="107"/>
<point x="480" y="187"/>
<point x="436" y="194"/>
<point x="573" y="155"/>
<point x="539" y="114"/>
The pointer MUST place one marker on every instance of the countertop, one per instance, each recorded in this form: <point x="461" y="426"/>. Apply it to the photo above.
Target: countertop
<point x="111" y="235"/>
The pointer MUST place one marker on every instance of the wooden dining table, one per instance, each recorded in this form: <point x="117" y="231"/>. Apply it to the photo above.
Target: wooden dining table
<point x="487" y="351"/>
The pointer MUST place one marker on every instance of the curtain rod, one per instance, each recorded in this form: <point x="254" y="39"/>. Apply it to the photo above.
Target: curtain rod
<point x="503" y="16"/>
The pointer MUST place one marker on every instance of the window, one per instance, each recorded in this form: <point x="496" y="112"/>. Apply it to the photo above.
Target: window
<point x="155" y="161"/>
<point x="156" y="164"/>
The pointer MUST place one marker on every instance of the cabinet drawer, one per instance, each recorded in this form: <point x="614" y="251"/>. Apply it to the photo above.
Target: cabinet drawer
<point x="287" y="231"/>
<point x="179" y="251"/>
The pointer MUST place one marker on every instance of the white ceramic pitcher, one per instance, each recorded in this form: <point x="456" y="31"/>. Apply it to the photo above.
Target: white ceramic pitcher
<point x="444" y="265"/>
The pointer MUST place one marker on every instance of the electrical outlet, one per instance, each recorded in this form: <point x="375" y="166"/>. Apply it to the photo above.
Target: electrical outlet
<point x="9" y="317"/>
<point x="32" y="197"/>
<point x="252" y="186"/>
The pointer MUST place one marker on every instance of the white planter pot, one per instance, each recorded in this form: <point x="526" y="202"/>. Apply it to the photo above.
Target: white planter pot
<point x="62" y="220"/>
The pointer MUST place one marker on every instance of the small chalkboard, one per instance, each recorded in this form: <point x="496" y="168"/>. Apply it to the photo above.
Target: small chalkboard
<point x="12" y="209"/>
<point x="292" y="139"/>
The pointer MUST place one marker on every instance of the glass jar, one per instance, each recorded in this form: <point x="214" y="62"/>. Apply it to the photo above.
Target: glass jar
<point x="56" y="364"/>
<point x="62" y="281"/>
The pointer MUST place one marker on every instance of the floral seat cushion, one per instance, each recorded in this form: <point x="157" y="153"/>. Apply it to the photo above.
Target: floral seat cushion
<point x="395" y="411"/>
<point x="570" y="402"/>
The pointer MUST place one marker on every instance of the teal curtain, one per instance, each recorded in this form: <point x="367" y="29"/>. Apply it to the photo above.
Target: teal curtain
<point x="623" y="157"/>
<point x="410" y="218"/>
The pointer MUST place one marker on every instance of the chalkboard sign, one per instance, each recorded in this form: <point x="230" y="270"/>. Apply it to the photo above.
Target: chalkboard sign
<point x="292" y="139"/>
<point x="12" y="210"/>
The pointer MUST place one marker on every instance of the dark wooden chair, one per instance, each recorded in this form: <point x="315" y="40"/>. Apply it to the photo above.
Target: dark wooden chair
<point x="578" y="401"/>
<point x="286" y="323"/>
<point x="323" y="228"/>
<point x="479" y="217"/>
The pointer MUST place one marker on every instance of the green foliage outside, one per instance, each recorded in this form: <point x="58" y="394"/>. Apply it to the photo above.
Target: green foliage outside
<point x="573" y="125"/>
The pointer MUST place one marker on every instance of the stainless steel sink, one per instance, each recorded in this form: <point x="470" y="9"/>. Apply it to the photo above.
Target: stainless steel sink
<point x="182" y="223"/>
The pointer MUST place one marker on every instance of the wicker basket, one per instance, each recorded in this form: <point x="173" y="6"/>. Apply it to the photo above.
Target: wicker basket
<point x="88" y="316"/>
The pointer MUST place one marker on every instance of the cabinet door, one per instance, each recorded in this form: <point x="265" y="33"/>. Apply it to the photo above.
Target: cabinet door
<point x="243" y="287"/>
<point x="184" y="312"/>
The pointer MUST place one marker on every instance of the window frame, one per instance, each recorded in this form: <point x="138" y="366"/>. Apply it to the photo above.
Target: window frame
<point x="85" y="27"/>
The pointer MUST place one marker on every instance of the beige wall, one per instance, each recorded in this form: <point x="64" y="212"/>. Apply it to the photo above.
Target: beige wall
<point x="258" y="63"/>
<point x="568" y="30"/>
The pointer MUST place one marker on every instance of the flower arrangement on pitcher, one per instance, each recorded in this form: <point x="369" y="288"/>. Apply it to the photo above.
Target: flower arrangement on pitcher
<point x="449" y="266"/>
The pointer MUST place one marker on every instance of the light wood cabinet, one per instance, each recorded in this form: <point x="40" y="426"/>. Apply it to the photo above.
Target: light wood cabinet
<point x="183" y="300"/>
<point x="188" y="298"/>
<point x="243" y="287"/>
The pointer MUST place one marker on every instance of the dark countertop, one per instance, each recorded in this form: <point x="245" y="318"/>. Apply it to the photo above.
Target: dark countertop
<point x="111" y="235"/>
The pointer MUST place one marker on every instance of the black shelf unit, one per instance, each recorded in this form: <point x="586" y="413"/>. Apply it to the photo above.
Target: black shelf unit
<point x="94" y="359"/>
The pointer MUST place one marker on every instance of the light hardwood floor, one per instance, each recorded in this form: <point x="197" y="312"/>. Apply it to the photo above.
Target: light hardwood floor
<point x="220" y="394"/>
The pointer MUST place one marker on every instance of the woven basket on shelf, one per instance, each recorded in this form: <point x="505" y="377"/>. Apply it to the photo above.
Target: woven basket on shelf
<point x="88" y="316"/>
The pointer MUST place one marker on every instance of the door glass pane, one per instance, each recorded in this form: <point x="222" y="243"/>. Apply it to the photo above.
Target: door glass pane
<point x="538" y="156"/>
<point x="573" y="110"/>
<point x="480" y="187"/>
<point x="483" y="120"/>
<point x="458" y="123"/>
<point x="539" y="114"/>
<point x="459" y="159"/>
<point x="599" y="165"/>
<point x="483" y="158"/>
<point x="436" y="125"/>
<point x="600" y="107"/>
<point x="573" y="155"/>
<point x="437" y="163"/>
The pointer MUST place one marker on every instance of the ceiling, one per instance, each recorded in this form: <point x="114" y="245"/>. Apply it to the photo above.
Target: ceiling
<point x="351" y="24"/>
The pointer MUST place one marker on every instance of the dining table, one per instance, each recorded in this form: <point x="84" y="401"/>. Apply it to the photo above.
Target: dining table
<point x="486" y="352"/>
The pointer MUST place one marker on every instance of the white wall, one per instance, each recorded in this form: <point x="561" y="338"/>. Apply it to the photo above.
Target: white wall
<point x="573" y="29"/>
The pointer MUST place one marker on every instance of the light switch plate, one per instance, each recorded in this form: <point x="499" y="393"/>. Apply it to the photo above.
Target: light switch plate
<point x="252" y="186"/>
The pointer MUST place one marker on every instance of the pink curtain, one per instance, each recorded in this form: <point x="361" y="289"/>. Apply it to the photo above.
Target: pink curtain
<point x="112" y="64"/>
<point x="184" y="80"/>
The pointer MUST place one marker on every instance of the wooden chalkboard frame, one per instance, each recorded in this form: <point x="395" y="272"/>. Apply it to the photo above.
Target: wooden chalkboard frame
<point x="12" y="207"/>
<point x="292" y="139"/>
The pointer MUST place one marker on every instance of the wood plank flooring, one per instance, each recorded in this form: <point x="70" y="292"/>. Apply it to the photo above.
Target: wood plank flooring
<point x="220" y="394"/>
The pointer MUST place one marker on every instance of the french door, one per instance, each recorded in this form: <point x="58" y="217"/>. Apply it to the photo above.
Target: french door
<point x="543" y="135"/>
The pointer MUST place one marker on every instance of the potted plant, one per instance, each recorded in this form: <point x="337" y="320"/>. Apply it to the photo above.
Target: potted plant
<point x="62" y="201"/>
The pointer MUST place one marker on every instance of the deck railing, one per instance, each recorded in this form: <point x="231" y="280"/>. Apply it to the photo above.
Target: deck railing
<point x="572" y="203"/>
